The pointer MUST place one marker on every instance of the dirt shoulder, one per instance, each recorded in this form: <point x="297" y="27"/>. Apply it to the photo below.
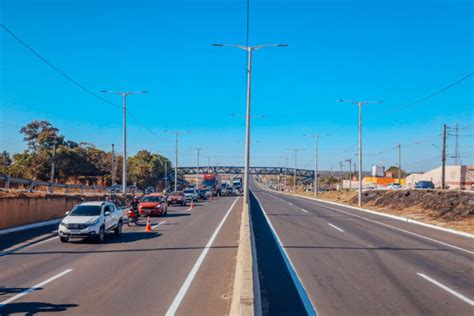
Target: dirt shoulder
<point x="451" y="209"/>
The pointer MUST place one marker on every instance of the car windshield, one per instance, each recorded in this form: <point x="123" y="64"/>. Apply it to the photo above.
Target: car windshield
<point x="188" y="191"/>
<point x="151" y="199"/>
<point x="86" y="210"/>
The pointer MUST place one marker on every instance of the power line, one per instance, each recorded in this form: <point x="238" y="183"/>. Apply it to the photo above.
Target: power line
<point x="436" y="92"/>
<point x="62" y="73"/>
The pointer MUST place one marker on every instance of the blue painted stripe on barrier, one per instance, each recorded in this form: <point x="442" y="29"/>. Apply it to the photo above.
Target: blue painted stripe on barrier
<point x="310" y="309"/>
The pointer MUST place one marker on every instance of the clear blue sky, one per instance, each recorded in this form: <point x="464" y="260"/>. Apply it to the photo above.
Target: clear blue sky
<point x="395" y="51"/>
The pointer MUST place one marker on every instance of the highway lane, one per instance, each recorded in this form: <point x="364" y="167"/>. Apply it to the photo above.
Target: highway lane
<point x="138" y="273"/>
<point x="353" y="266"/>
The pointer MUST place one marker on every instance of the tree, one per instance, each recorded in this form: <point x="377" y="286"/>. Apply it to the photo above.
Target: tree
<point x="146" y="169"/>
<point x="41" y="134"/>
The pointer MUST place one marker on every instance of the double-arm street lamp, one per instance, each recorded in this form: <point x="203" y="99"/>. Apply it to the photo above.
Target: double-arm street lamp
<point x="124" y="95"/>
<point x="249" y="50"/>
<point x="360" y="104"/>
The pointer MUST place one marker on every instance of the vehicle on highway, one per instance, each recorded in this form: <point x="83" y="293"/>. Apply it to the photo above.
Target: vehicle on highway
<point x="91" y="219"/>
<point x="153" y="204"/>
<point x="132" y="188"/>
<point x="177" y="197"/>
<point x="213" y="182"/>
<point x="204" y="194"/>
<point x="394" y="186"/>
<point x="149" y="190"/>
<point x="116" y="188"/>
<point x="424" y="185"/>
<point x="191" y="194"/>
<point x="226" y="190"/>
<point x="132" y="217"/>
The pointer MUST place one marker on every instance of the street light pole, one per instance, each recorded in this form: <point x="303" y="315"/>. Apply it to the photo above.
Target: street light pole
<point x="176" y="157"/>
<point x="360" y="104"/>
<point x="350" y="173"/>
<point x="296" y="150"/>
<point x="198" y="149"/>
<point x="249" y="50"/>
<point x="124" y="95"/>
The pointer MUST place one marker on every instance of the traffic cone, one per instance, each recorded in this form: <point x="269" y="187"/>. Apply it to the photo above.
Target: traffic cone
<point x="148" y="225"/>
<point x="191" y="206"/>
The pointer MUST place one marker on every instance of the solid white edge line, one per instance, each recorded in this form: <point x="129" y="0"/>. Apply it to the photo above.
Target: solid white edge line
<point x="444" y="287"/>
<point x="399" y="229"/>
<point x="400" y="218"/>
<point x="189" y="279"/>
<point x="160" y="223"/>
<point x="33" y="288"/>
<point x="334" y="226"/>
<point x="386" y="225"/>
<point x="29" y="226"/>
<point x="311" y="310"/>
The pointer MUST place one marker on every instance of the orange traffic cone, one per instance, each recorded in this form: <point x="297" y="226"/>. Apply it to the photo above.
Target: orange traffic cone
<point x="148" y="225"/>
<point x="191" y="206"/>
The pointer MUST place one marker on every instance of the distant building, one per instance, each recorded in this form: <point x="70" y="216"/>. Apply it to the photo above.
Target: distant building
<point x="378" y="171"/>
<point x="457" y="177"/>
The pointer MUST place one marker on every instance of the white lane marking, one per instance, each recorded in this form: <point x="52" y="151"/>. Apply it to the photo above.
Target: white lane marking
<point x="444" y="287"/>
<point x="304" y="210"/>
<point x="308" y="304"/>
<point x="160" y="223"/>
<point x="334" y="226"/>
<point x="189" y="279"/>
<point x="289" y="203"/>
<point x="399" y="229"/>
<point x="33" y="288"/>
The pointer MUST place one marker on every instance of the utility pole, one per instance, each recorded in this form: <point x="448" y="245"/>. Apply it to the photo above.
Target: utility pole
<point x="296" y="150"/>
<point x="51" y="188"/>
<point x="208" y="164"/>
<point x="198" y="150"/>
<point x="443" y="160"/>
<point x="399" y="164"/>
<point x="457" y="155"/>
<point x="112" y="174"/>
<point x="340" y="176"/>
<point x="166" y="174"/>
<point x="249" y="50"/>
<point x="350" y="173"/>
<point x="316" y="179"/>
<point x="124" y="95"/>
<point x="5" y="157"/>
<point x="359" y="105"/>
<point x="176" y="157"/>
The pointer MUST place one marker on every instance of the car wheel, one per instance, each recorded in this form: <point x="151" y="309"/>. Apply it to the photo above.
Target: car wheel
<point x="101" y="235"/>
<point x="63" y="239"/>
<point x="118" y="230"/>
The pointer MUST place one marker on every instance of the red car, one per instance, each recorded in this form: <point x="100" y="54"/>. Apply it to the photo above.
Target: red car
<point x="154" y="204"/>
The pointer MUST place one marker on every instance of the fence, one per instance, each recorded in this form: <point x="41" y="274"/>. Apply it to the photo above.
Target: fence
<point x="35" y="185"/>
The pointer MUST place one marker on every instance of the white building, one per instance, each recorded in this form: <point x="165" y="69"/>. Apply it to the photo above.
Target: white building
<point x="457" y="177"/>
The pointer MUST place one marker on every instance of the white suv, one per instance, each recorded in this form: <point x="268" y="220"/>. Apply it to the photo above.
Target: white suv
<point x="91" y="219"/>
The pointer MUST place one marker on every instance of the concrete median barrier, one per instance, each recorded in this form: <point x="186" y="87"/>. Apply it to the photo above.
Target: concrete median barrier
<point x="245" y="296"/>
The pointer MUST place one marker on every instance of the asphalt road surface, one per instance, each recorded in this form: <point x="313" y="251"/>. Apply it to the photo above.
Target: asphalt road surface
<point x="354" y="263"/>
<point x="186" y="266"/>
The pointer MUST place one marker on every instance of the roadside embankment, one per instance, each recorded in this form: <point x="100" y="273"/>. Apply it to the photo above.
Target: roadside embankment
<point x="451" y="209"/>
<point x="21" y="208"/>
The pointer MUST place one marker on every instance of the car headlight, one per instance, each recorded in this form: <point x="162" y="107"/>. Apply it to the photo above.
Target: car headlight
<point x="158" y="206"/>
<point x="92" y="223"/>
<point x="62" y="224"/>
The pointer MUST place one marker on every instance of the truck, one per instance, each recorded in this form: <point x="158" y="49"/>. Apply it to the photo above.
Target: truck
<point x="237" y="183"/>
<point x="213" y="182"/>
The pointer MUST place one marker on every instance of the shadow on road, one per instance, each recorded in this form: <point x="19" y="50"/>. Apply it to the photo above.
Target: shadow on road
<point x="14" y="290"/>
<point x="33" y="308"/>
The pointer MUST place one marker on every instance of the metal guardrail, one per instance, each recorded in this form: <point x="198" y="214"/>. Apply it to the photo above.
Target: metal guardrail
<point x="33" y="184"/>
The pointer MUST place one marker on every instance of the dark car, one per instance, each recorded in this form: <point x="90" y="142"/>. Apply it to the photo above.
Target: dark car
<point x="424" y="185"/>
<point x="204" y="194"/>
<point x="177" y="198"/>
